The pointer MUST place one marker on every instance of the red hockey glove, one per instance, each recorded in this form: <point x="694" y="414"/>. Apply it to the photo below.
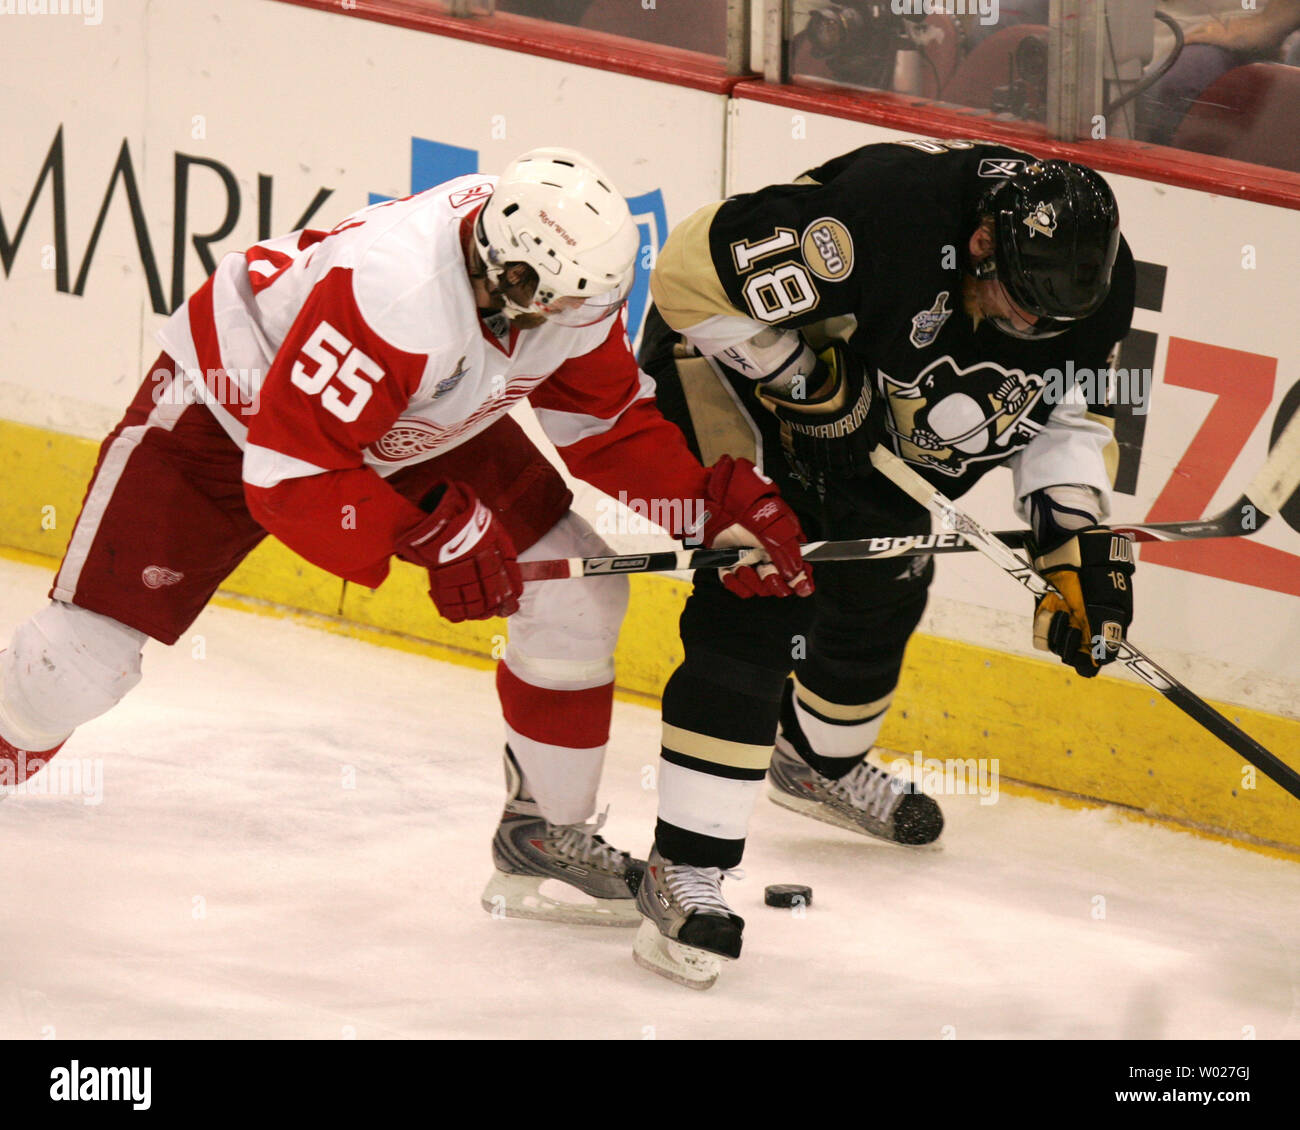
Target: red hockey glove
<point x="471" y="561"/>
<point x="744" y="508"/>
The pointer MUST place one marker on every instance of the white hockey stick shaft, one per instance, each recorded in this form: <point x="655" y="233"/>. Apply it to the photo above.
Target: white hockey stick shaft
<point x="1279" y="478"/>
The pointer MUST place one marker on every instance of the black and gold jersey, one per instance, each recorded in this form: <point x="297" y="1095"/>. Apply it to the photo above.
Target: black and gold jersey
<point x="879" y="238"/>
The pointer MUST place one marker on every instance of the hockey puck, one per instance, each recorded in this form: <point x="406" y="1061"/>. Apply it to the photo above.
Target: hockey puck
<point x="787" y="894"/>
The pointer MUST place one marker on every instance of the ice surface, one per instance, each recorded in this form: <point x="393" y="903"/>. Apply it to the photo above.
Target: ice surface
<point x="231" y="884"/>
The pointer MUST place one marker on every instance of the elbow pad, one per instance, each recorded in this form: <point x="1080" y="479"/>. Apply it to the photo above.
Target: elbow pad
<point x="776" y="358"/>
<point x="1058" y="512"/>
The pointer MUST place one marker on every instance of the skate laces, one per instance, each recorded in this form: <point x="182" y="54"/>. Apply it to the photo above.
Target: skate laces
<point x="869" y="789"/>
<point x="580" y="842"/>
<point x="699" y="889"/>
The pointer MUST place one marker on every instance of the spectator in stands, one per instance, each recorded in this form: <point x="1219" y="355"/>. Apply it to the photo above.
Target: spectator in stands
<point x="855" y="42"/>
<point x="1259" y="34"/>
<point x="1213" y="49"/>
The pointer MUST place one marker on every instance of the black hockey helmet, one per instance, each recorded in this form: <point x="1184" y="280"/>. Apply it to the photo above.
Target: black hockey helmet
<point x="1056" y="234"/>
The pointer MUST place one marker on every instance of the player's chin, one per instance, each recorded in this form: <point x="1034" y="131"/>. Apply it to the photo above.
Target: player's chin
<point x="528" y="321"/>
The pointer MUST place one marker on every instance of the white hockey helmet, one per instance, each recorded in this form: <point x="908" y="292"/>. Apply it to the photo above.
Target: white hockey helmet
<point x="554" y="210"/>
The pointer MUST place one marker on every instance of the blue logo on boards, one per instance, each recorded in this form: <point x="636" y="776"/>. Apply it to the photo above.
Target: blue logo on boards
<point x="433" y="162"/>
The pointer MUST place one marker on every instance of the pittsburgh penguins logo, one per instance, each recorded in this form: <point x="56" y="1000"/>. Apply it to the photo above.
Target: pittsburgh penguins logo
<point x="1042" y="220"/>
<point x="948" y="417"/>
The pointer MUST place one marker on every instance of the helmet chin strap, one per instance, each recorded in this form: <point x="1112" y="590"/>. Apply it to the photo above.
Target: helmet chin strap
<point x="512" y="309"/>
<point x="492" y="277"/>
<point x="986" y="270"/>
<point x="489" y="273"/>
<point x="1040" y="331"/>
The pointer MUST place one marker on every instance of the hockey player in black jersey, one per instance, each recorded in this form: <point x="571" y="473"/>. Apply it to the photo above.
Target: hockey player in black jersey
<point x="934" y="297"/>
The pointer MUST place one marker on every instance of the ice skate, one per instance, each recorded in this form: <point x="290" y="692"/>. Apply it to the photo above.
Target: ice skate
<point x="557" y="872"/>
<point x="688" y="929"/>
<point x="869" y="800"/>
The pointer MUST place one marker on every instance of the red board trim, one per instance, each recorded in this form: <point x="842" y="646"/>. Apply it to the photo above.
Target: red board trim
<point x="703" y="72"/>
<point x="1128" y="158"/>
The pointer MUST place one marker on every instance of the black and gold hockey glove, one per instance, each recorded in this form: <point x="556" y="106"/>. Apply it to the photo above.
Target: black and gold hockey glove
<point x="1093" y="571"/>
<point x="824" y="420"/>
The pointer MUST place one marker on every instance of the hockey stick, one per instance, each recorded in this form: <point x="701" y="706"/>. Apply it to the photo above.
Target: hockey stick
<point x="906" y="479"/>
<point x="1229" y="524"/>
<point x="1268" y="492"/>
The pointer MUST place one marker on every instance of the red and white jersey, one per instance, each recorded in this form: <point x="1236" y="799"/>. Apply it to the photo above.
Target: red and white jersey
<point x="336" y="358"/>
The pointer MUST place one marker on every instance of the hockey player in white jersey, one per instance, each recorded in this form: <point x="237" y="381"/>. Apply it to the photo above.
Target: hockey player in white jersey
<point x="348" y="391"/>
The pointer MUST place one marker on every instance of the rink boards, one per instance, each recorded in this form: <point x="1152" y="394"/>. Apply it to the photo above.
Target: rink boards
<point x="160" y="151"/>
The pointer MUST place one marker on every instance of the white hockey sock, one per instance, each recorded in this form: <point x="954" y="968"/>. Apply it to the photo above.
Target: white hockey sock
<point x="563" y="781"/>
<point x="705" y="804"/>
<point x="556" y="682"/>
<point x="847" y="739"/>
<point x="64" y="667"/>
